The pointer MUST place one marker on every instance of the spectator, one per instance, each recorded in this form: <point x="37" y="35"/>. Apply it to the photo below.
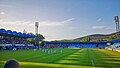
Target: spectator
<point x="11" y="64"/>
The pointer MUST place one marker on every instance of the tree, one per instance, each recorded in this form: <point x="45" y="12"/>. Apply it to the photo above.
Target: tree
<point x="66" y="40"/>
<point x="32" y="40"/>
<point x="86" y="39"/>
<point x="40" y="37"/>
<point x="42" y="43"/>
<point x="112" y="37"/>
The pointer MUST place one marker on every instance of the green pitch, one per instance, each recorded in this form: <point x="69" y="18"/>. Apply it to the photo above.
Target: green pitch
<point x="69" y="58"/>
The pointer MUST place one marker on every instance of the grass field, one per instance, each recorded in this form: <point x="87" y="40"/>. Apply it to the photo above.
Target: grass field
<point x="70" y="58"/>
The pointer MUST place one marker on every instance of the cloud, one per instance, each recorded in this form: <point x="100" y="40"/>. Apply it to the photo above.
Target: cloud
<point x="2" y="13"/>
<point x="41" y="23"/>
<point x="98" y="27"/>
<point x="5" y="6"/>
<point x="99" y="19"/>
<point x="3" y="22"/>
<point x="29" y="25"/>
<point x="16" y="26"/>
<point x="102" y="27"/>
<point x="54" y="23"/>
<point x="68" y="20"/>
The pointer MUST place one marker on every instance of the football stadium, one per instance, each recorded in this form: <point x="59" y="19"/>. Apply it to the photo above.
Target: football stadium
<point x="53" y="43"/>
<point x="14" y="45"/>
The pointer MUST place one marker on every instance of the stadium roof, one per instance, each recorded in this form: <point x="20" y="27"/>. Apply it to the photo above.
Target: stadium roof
<point x="15" y="33"/>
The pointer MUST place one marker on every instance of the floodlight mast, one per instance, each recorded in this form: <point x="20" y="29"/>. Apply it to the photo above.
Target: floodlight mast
<point x="36" y="33"/>
<point x="36" y="27"/>
<point x="116" y="18"/>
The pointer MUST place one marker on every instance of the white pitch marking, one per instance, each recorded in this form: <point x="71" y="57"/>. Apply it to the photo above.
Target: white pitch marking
<point x="93" y="63"/>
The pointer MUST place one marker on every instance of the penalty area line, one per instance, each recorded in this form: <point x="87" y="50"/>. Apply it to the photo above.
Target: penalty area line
<point x="93" y="63"/>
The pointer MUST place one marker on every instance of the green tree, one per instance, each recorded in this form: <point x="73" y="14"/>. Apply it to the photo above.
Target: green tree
<point x="40" y="37"/>
<point x="86" y="39"/>
<point x="66" y="40"/>
<point x="31" y="40"/>
<point x="42" y="43"/>
<point x="112" y="37"/>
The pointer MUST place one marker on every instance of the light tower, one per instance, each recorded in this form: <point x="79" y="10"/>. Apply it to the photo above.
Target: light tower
<point x="36" y="27"/>
<point x="36" y="33"/>
<point x="116" y="18"/>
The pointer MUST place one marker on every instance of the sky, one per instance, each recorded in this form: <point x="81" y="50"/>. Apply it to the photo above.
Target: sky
<point x="60" y="19"/>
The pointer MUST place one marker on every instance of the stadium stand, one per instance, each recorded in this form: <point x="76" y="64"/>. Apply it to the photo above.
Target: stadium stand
<point x="14" y="40"/>
<point x="116" y="43"/>
<point x="76" y="44"/>
<point x="115" y="40"/>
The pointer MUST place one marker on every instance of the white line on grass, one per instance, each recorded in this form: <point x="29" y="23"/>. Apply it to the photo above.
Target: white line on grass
<point x="91" y="58"/>
<point x="93" y="63"/>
